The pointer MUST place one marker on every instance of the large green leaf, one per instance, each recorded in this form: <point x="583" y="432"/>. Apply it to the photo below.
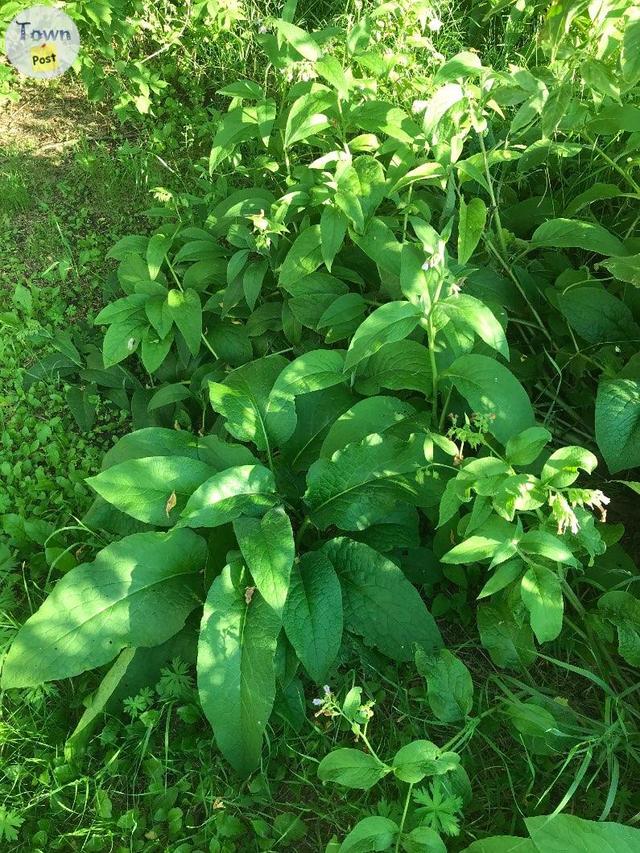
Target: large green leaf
<point x="541" y="592"/>
<point x="598" y="316"/>
<point x="362" y="483"/>
<point x="575" y="234"/>
<point x="502" y="844"/>
<point x="504" y="632"/>
<point x="391" y="322"/>
<point x="185" y="310"/>
<point x="449" y="684"/>
<point x="382" y="117"/>
<point x="370" y="833"/>
<point x="333" y="227"/>
<point x="618" y="423"/>
<point x="268" y="549"/>
<point x="402" y="365"/>
<point x="312" y="295"/>
<point x="307" y="117"/>
<point x="300" y="40"/>
<point x="313" y="613"/>
<point x="491" y="389"/>
<point x="229" y="494"/>
<point x="352" y="768"/>
<point x="626" y="268"/>
<point x="158" y="441"/>
<point x="473" y="217"/>
<point x="316" y="412"/>
<point x="154" y="489"/>
<point x="236" y="672"/>
<point x="630" y="58"/>
<point x="468" y="313"/>
<point x="379" y="602"/>
<point x="137" y="592"/>
<point x="375" y="414"/>
<point x="122" y="339"/>
<point x="563" y="832"/>
<point x="623" y="610"/>
<point x="312" y="371"/>
<point x="304" y="256"/>
<point x="242" y="398"/>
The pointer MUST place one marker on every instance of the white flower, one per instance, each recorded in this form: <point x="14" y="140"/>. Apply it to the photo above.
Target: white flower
<point x="435" y="25"/>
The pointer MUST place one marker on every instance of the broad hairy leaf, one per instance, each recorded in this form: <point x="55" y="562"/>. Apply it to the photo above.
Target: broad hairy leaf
<point x="563" y="467"/>
<point x="491" y="389"/>
<point x="524" y="448"/>
<point x="313" y="613"/>
<point x="142" y="487"/>
<point x="159" y="441"/>
<point x="312" y="371"/>
<point x="391" y="322"/>
<point x="467" y="312"/>
<point x="137" y="592"/>
<point x="370" y="833"/>
<point x="402" y="365"/>
<point x="236" y="671"/>
<point x="379" y="602"/>
<point x="380" y="244"/>
<point x="374" y="414"/>
<point x="333" y="227"/>
<point x="504" y="632"/>
<point x="575" y="234"/>
<point x="618" y="423"/>
<point x="301" y="41"/>
<point x="185" y="310"/>
<point x="308" y="116"/>
<point x="420" y="758"/>
<point x="304" y="256"/>
<point x="361" y="483"/>
<point x="352" y="768"/>
<point x="623" y="610"/>
<point x="598" y="316"/>
<point x="312" y="296"/>
<point x="268" y="549"/>
<point x="242" y="398"/>
<point x="423" y="839"/>
<point x="243" y="489"/>
<point x="316" y="412"/>
<point x="472" y="219"/>
<point x="449" y="684"/>
<point x="495" y="533"/>
<point x="562" y="832"/>
<point x="626" y="268"/>
<point x="382" y="117"/>
<point x="541" y="592"/>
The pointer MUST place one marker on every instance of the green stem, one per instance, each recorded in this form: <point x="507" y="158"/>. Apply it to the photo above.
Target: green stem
<point x="492" y="196"/>
<point x="434" y="375"/>
<point x="404" y="816"/>
<point x="208" y="346"/>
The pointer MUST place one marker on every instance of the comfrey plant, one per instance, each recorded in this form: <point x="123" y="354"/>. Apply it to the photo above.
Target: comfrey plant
<point x="312" y="332"/>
